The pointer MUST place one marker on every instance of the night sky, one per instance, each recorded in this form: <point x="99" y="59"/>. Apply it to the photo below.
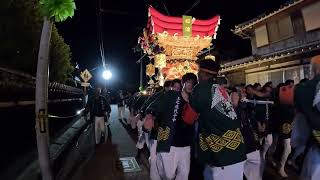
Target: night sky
<point x="123" y="21"/>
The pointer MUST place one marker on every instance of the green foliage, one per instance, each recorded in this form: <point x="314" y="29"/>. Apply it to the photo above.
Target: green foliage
<point x="20" y="32"/>
<point x="60" y="58"/>
<point x="60" y="10"/>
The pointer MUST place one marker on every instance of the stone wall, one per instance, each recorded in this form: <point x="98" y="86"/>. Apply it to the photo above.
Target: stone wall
<point x="15" y="86"/>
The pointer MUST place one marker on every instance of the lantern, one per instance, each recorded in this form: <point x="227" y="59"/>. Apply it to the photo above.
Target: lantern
<point x="160" y="61"/>
<point x="210" y="57"/>
<point x="151" y="82"/>
<point x="150" y="71"/>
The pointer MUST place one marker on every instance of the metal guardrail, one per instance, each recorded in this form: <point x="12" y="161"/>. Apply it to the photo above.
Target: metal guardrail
<point x="257" y="101"/>
<point x="67" y="117"/>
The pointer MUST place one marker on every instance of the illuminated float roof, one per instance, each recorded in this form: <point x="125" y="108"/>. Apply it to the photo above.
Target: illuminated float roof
<point x="166" y="32"/>
<point x="175" y="42"/>
<point x="174" y="25"/>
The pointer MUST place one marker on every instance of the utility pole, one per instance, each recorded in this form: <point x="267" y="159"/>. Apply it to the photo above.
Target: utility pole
<point x="141" y="72"/>
<point x="41" y="101"/>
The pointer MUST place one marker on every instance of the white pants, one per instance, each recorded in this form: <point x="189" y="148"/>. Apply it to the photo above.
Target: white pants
<point x="252" y="169"/>
<point x="121" y="111"/>
<point x="129" y="119"/>
<point x="142" y="136"/>
<point x="176" y="163"/>
<point x="99" y="127"/>
<point x="154" y="173"/>
<point x="286" y="153"/>
<point x="133" y="121"/>
<point x="231" y="172"/>
<point x="267" y="143"/>
<point x="311" y="164"/>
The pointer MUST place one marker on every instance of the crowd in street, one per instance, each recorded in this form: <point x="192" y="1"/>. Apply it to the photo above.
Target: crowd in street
<point x="229" y="132"/>
<point x="232" y="132"/>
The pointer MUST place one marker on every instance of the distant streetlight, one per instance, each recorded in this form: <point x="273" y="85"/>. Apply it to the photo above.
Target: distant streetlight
<point x="107" y="74"/>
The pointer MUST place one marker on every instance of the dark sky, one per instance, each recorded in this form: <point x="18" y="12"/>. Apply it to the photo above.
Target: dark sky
<point x="123" y="21"/>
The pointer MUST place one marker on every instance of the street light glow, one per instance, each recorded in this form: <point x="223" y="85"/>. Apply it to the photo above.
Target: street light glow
<point x="106" y="74"/>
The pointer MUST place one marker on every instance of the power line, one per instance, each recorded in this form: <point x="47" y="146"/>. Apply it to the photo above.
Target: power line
<point x="194" y="5"/>
<point x="100" y="33"/>
<point x="165" y="7"/>
<point x="139" y="61"/>
<point x="205" y="51"/>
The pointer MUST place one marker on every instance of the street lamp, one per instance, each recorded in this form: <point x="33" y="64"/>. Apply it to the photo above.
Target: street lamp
<point x="107" y="74"/>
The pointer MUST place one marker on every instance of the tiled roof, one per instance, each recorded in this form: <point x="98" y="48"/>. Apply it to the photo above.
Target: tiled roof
<point x="249" y="61"/>
<point x="241" y="27"/>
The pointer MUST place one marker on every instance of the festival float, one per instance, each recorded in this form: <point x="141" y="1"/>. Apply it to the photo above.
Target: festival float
<point x="173" y="44"/>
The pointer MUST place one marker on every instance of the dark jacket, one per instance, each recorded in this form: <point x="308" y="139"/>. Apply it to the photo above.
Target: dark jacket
<point x="172" y="130"/>
<point x="220" y="139"/>
<point x="97" y="107"/>
<point x="303" y="97"/>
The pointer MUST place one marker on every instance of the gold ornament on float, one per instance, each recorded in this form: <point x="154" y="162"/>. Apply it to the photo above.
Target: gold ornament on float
<point x="180" y="47"/>
<point x="150" y="71"/>
<point x="151" y="82"/>
<point x="210" y="57"/>
<point x="175" y="42"/>
<point x="160" y="61"/>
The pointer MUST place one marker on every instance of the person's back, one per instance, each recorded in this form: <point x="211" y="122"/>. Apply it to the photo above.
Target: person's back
<point x="218" y="126"/>
<point x="316" y="101"/>
<point x="304" y="96"/>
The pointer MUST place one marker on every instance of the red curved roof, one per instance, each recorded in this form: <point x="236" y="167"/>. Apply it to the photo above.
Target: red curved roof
<point x="172" y="25"/>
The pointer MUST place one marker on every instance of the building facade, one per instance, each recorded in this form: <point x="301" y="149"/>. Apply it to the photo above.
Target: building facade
<point x="282" y="43"/>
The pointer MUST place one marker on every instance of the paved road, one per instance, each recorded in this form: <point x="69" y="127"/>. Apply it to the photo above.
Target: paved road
<point x="105" y="164"/>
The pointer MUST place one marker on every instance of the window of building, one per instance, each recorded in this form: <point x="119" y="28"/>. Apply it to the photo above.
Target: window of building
<point x="261" y="36"/>
<point x="307" y="72"/>
<point x="293" y="74"/>
<point x="261" y="77"/>
<point x="280" y="29"/>
<point x="276" y="77"/>
<point x="311" y="16"/>
<point x="279" y="75"/>
<point x="251" y="78"/>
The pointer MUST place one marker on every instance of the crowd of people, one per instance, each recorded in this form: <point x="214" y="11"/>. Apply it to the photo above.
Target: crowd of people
<point x="230" y="132"/>
<point x="199" y="123"/>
